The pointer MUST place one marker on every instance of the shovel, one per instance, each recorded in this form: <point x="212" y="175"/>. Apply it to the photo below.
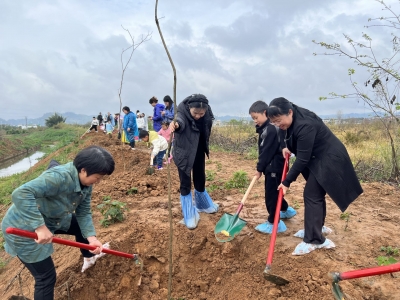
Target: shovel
<point x="150" y="169"/>
<point x="33" y="235"/>
<point x="337" y="292"/>
<point x="267" y="271"/>
<point x="229" y="226"/>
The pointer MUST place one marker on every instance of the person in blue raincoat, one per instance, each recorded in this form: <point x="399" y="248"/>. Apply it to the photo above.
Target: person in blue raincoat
<point x="192" y="131"/>
<point x="56" y="202"/>
<point x="157" y="116"/>
<point x="168" y="113"/>
<point x="130" y="126"/>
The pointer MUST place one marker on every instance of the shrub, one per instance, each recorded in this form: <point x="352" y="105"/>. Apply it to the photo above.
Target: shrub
<point x="239" y="180"/>
<point x="112" y="211"/>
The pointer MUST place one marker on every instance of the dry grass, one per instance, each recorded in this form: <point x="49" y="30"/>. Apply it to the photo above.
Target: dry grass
<point x="367" y="144"/>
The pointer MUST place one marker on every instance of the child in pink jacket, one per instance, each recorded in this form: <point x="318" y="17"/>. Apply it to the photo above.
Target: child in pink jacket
<point x="166" y="133"/>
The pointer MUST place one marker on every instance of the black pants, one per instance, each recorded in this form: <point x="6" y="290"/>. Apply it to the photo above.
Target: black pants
<point x="93" y="127"/>
<point x="44" y="271"/>
<point x="314" y="210"/>
<point x="199" y="175"/>
<point x="272" y="181"/>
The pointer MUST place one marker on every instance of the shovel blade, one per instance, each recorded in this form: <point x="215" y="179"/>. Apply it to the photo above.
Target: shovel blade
<point x="228" y="224"/>
<point x="337" y="292"/>
<point x="274" y="278"/>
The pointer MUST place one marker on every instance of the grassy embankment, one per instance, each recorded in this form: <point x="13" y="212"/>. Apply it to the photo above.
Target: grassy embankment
<point x="60" y="141"/>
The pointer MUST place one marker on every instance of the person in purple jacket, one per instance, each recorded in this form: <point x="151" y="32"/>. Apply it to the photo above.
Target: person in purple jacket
<point x="157" y="116"/>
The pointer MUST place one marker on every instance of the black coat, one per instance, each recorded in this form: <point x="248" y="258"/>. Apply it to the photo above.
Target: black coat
<point x="186" y="138"/>
<point x="270" y="159"/>
<point x="319" y="150"/>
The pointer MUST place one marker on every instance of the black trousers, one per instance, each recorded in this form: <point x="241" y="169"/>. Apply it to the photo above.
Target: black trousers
<point x="93" y="127"/>
<point x="314" y="210"/>
<point x="44" y="271"/>
<point x="199" y="175"/>
<point x="272" y="181"/>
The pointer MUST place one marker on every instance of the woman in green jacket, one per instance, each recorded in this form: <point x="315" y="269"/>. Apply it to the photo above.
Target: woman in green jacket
<point x="57" y="202"/>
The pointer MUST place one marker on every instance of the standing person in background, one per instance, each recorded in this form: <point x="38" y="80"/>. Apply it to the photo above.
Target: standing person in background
<point x="56" y="202"/>
<point x="109" y="117"/>
<point x="157" y="116"/>
<point x="323" y="161"/>
<point x="146" y="122"/>
<point x="100" y="118"/>
<point x="116" y="118"/>
<point x="130" y="126"/>
<point x="168" y="113"/>
<point x="192" y="131"/>
<point x="140" y="122"/>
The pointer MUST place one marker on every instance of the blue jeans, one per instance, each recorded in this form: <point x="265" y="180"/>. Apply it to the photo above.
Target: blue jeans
<point x="159" y="158"/>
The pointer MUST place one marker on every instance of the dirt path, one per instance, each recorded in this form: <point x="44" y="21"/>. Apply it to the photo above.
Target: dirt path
<point x="205" y="268"/>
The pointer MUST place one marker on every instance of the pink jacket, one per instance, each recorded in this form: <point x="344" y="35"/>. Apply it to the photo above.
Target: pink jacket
<point x="165" y="133"/>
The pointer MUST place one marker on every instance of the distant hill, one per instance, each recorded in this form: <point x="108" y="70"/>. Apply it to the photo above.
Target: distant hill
<point x="72" y="118"/>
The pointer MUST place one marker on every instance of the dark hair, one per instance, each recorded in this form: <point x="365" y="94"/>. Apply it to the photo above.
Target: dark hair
<point x="143" y="114"/>
<point x="278" y="107"/>
<point x="95" y="160"/>
<point x="137" y="111"/>
<point x="126" y="108"/>
<point x="168" y="99"/>
<point x="153" y="100"/>
<point x="200" y="105"/>
<point x="143" y="133"/>
<point x="259" y="107"/>
<point x="94" y="117"/>
<point x="165" y="123"/>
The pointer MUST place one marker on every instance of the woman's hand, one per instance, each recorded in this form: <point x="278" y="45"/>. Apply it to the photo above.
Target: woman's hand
<point x="93" y="241"/>
<point x="173" y="126"/>
<point x="284" y="188"/>
<point x="44" y="235"/>
<point x="286" y="150"/>
<point x="257" y="174"/>
<point x="128" y="129"/>
<point x="163" y="113"/>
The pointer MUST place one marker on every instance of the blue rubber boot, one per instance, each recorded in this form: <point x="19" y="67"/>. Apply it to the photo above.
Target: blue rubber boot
<point x="267" y="227"/>
<point x="289" y="213"/>
<point x="204" y="202"/>
<point x="190" y="215"/>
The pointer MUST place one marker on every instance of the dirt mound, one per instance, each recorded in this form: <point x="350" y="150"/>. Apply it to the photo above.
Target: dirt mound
<point x="203" y="268"/>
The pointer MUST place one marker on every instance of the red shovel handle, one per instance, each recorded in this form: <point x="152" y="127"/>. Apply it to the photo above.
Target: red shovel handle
<point x="33" y="235"/>
<point x="277" y="214"/>
<point x="366" y="272"/>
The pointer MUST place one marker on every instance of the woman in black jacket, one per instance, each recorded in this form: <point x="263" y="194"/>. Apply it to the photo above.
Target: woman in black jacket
<point x="323" y="161"/>
<point x="192" y="131"/>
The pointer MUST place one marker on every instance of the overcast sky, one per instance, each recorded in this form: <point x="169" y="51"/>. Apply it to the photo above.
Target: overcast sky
<point x="64" y="55"/>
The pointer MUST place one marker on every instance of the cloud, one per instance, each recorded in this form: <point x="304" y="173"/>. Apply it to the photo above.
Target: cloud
<point x="66" y="55"/>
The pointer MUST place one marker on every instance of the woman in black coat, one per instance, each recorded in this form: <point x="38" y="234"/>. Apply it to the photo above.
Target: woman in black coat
<point x="323" y="161"/>
<point x="192" y="132"/>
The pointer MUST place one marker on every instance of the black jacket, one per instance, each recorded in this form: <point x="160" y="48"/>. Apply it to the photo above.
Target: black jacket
<point x="319" y="150"/>
<point x="186" y="138"/>
<point x="270" y="159"/>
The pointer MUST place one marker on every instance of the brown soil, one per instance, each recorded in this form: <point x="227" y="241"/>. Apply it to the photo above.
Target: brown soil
<point x="203" y="268"/>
